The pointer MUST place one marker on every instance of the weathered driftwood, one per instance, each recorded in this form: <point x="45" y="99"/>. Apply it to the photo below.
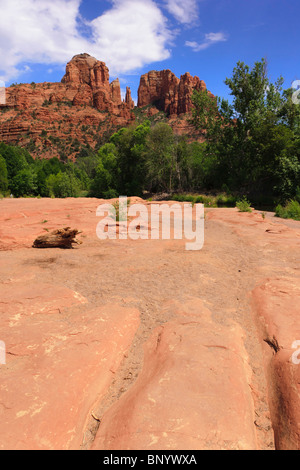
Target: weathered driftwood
<point x="61" y="238"/>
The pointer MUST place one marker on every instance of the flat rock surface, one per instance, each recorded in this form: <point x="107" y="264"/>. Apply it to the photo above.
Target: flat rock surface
<point x="141" y="344"/>
<point x="195" y="381"/>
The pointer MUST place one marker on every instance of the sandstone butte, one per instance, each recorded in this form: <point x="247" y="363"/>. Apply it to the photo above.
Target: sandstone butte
<point x="141" y="345"/>
<point x="54" y="119"/>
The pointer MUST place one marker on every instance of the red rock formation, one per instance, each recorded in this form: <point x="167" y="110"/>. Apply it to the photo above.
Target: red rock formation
<point x="186" y="87"/>
<point x="116" y="91"/>
<point x="64" y="110"/>
<point x="86" y="69"/>
<point x="128" y="99"/>
<point x="159" y="89"/>
<point x="89" y="77"/>
<point x="169" y="94"/>
<point x="52" y="119"/>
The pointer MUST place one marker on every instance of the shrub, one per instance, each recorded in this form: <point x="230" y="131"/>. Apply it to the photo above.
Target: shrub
<point x="243" y="205"/>
<point x="110" y="194"/>
<point x="206" y="200"/>
<point x="183" y="198"/>
<point x="121" y="212"/>
<point x="290" y="211"/>
<point x="226" y="200"/>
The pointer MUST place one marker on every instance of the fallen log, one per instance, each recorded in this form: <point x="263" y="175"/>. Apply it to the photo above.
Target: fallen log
<point x="61" y="238"/>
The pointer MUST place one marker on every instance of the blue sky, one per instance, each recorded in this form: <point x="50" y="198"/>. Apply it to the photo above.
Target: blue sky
<point x="204" y="37"/>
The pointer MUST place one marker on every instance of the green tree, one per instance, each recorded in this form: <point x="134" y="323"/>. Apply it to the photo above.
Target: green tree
<point x="201" y="167"/>
<point x="15" y="158"/>
<point x="253" y="140"/>
<point x="103" y="185"/>
<point x="161" y="157"/>
<point x="63" y="185"/>
<point x="52" y="166"/>
<point x="290" y="113"/>
<point x="41" y="182"/>
<point x="130" y="145"/>
<point x="87" y="160"/>
<point x="24" y="183"/>
<point x="3" y="175"/>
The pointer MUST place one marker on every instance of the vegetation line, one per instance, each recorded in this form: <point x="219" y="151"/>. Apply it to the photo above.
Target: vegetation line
<point x="248" y="150"/>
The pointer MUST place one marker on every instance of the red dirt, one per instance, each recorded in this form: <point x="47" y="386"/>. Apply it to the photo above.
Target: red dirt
<point x="123" y="344"/>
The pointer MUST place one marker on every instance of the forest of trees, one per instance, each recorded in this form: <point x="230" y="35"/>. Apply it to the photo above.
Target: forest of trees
<point x="136" y="159"/>
<point x="251" y="148"/>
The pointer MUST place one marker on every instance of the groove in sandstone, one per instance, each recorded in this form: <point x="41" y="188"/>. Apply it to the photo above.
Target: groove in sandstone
<point x="230" y="295"/>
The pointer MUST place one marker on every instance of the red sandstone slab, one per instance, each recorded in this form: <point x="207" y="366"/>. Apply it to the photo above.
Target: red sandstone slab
<point x="256" y="229"/>
<point x="34" y="297"/>
<point x="276" y="303"/>
<point x="23" y="220"/>
<point x="193" y="391"/>
<point x="61" y="356"/>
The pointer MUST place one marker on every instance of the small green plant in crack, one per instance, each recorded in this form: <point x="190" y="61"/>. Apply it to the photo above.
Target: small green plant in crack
<point x="120" y="210"/>
<point x="243" y="205"/>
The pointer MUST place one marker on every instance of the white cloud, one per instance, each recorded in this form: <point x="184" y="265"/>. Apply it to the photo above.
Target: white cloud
<point x="210" y="39"/>
<point x="37" y="31"/>
<point x="127" y="36"/>
<point x="184" y="11"/>
<point x="131" y="34"/>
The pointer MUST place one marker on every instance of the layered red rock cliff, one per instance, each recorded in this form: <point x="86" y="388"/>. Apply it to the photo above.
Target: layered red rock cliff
<point x="56" y="119"/>
<point x="167" y="92"/>
<point x="86" y="83"/>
